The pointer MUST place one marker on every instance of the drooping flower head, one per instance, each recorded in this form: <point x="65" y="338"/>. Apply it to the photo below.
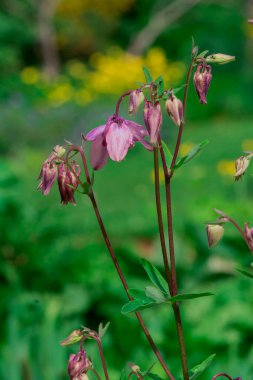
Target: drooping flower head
<point x="68" y="181"/>
<point x="152" y="115"/>
<point x="135" y="100"/>
<point x="202" y="79"/>
<point x="48" y="171"/>
<point x="78" y="364"/>
<point x="174" y="107"/>
<point x="113" y="140"/>
<point x="249" y="236"/>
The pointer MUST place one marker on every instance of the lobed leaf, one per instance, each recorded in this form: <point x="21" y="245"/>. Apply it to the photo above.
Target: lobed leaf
<point x="155" y="276"/>
<point x="147" y="74"/>
<point x="198" y="369"/>
<point x="102" y="330"/>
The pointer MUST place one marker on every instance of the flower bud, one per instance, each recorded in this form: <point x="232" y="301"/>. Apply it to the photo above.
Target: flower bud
<point x="68" y="182"/>
<point x="78" y="364"/>
<point x="250" y="21"/>
<point x="241" y="165"/>
<point x="214" y="234"/>
<point x="220" y="59"/>
<point x="74" y="337"/>
<point x="153" y="119"/>
<point x="202" y="79"/>
<point x="174" y="107"/>
<point x="249" y="236"/>
<point x="135" y="100"/>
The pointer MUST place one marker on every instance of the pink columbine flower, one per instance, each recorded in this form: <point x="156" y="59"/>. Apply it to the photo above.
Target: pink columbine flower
<point x="174" y="107"/>
<point x="48" y="171"/>
<point x="153" y="119"/>
<point x="68" y="182"/>
<point x="249" y="236"/>
<point x="135" y="100"/>
<point x="202" y="79"/>
<point x="113" y="140"/>
<point x="78" y="364"/>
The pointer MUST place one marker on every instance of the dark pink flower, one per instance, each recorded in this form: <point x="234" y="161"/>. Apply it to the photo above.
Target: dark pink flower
<point x="48" y="171"/>
<point x="113" y="140"/>
<point x="174" y="107"/>
<point x="202" y="79"/>
<point x="68" y="182"/>
<point x="153" y="119"/>
<point x="135" y="100"/>
<point x="78" y="364"/>
<point x="249" y="236"/>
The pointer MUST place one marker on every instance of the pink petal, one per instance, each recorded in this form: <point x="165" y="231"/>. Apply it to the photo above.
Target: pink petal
<point x="139" y="132"/>
<point x="98" y="153"/>
<point x="94" y="133"/>
<point x="118" y="139"/>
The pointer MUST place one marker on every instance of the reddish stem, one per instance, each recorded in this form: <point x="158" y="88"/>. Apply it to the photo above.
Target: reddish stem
<point x="120" y="100"/>
<point x="221" y="374"/>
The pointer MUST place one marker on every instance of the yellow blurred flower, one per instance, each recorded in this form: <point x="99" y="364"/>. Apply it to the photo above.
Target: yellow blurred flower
<point x="82" y="97"/>
<point x="226" y="167"/>
<point x="247" y="145"/>
<point x="161" y="175"/>
<point x="60" y="94"/>
<point x="30" y="75"/>
<point x="76" y="69"/>
<point x="185" y="148"/>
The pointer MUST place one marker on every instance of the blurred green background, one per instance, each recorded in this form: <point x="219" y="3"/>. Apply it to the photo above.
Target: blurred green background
<point x="62" y="66"/>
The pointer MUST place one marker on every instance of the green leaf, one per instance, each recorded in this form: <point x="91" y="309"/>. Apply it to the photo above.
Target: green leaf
<point x="245" y="273"/>
<point x="137" y="294"/>
<point x="147" y="74"/>
<point x="198" y="369"/>
<point x="159" y="82"/>
<point x="155" y="294"/>
<point x="168" y="155"/>
<point x="102" y="330"/>
<point x="194" y="151"/>
<point x="154" y="376"/>
<point x="155" y="276"/>
<point x="188" y="296"/>
<point x="202" y="54"/>
<point x="137" y="305"/>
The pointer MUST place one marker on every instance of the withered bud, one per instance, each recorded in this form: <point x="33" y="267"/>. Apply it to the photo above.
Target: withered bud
<point x="241" y="165"/>
<point x="174" y="107"/>
<point x="214" y="233"/>
<point x="135" y="100"/>
<point x="202" y="79"/>
<point x="220" y="59"/>
<point x="74" y="337"/>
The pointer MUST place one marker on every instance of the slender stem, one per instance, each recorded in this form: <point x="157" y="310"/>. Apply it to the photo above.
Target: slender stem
<point x="160" y="221"/>
<point x="123" y="280"/>
<point x="120" y="100"/>
<point x="181" y="128"/>
<point x="95" y="373"/>
<point x="222" y="374"/>
<point x="102" y="358"/>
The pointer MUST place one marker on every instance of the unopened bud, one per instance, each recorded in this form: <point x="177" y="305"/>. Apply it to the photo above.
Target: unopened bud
<point x="153" y="119"/>
<point x="220" y="59"/>
<point x="78" y="364"/>
<point x="74" y="337"/>
<point x="174" y="107"/>
<point x="249" y="236"/>
<point x="241" y="165"/>
<point x="214" y="234"/>
<point x="202" y="79"/>
<point x="135" y="100"/>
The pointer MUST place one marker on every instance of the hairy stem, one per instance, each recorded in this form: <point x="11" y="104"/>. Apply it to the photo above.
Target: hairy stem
<point x="160" y="221"/>
<point x="124" y="283"/>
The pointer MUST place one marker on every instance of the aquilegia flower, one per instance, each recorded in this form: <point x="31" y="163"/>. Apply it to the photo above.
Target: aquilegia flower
<point x="152" y="115"/>
<point x="174" y="107"/>
<point x="68" y="181"/>
<point x="113" y="140"/>
<point x="135" y="100"/>
<point x="78" y="364"/>
<point x="202" y="79"/>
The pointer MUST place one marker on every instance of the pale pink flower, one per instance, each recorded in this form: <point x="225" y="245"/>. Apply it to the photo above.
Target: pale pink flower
<point x="113" y="140"/>
<point x="174" y="107"/>
<point x="153" y="119"/>
<point x="135" y="100"/>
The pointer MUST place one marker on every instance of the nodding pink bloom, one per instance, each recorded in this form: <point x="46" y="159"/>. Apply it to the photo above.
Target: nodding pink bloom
<point x="48" y="171"/>
<point x="135" y="100"/>
<point x="202" y="79"/>
<point x="113" y="140"/>
<point x="153" y="119"/>
<point x="78" y="364"/>
<point x="175" y="110"/>
<point x="249" y="236"/>
<point x="250" y="21"/>
<point x="68" y="182"/>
